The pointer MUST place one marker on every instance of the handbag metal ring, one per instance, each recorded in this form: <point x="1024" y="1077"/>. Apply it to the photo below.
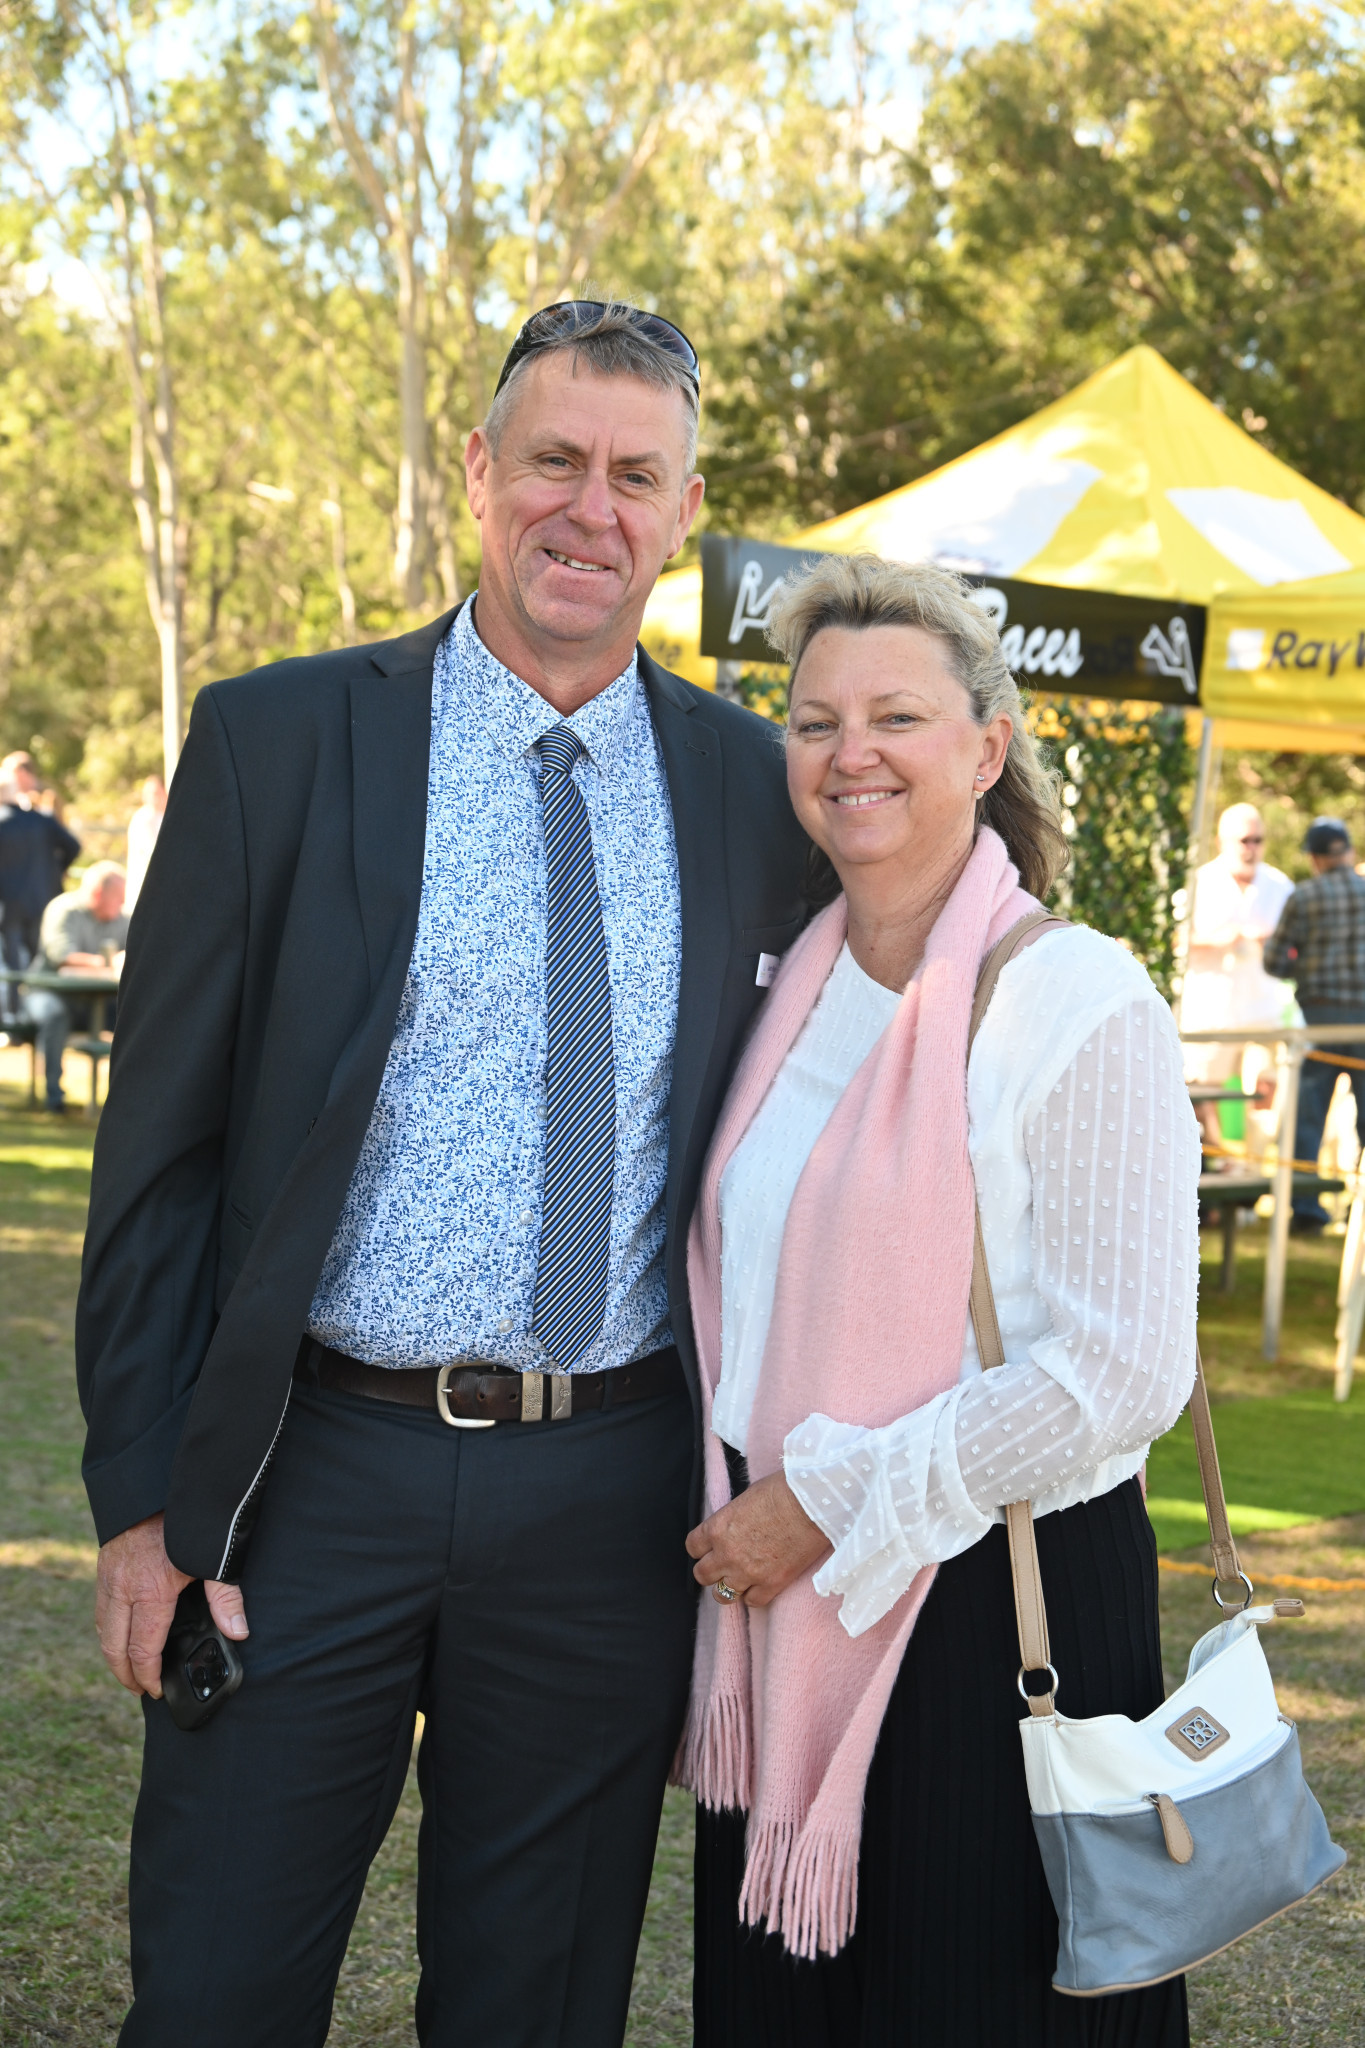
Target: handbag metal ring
<point x="1241" y="1603"/>
<point x="1056" y="1682"/>
<point x="443" y="1405"/>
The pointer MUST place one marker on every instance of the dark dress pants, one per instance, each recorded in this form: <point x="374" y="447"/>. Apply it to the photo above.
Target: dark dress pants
<point x="18" y="944"/>
<point x="1317" y="1085"/>
<point x="526" y="1589"/>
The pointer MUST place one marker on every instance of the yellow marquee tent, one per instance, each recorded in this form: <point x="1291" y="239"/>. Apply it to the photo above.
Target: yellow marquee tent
<point x="1135" y="484"/>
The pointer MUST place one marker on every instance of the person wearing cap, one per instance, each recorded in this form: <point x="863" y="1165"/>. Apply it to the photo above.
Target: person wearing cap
<point x="433" y="992"/>
<point x="1319" y="945"/>
<point x="1237" y="901"/>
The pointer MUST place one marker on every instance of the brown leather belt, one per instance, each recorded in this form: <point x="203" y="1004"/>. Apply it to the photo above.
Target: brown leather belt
<point x="474" y="1395"/>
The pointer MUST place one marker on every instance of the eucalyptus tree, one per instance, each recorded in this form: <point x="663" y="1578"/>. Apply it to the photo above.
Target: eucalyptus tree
<point x="130" y="173"/>
<point x="1168" y="171"/>
<point x="486" y="158"/>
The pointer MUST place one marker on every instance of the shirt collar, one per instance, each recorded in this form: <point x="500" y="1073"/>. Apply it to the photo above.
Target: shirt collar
<point x="513" y="717"/>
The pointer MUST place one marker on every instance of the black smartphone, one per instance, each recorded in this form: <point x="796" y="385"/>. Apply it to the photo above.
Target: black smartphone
<point x="200" y="1668"/>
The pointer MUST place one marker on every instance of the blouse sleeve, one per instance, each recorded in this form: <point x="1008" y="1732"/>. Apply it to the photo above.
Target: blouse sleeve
<point x="1113" y="1160"/>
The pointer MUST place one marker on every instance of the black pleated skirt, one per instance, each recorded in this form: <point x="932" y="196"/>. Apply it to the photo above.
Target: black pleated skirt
<point x="956" y="1938"/>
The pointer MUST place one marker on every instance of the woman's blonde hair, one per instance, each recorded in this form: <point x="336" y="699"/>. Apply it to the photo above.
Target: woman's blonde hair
<point x="858" y="591"/>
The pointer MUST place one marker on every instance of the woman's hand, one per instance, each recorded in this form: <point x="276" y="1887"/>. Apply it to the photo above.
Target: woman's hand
<point x="758" y="1544"/>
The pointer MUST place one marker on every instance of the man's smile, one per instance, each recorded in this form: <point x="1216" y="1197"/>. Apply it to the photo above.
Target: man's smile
<point x="573" y="562"/>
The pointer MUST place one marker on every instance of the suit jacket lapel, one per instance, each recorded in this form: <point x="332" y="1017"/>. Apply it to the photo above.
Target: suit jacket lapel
<point x="691" y="750"/>
<point x="390" y="758"/>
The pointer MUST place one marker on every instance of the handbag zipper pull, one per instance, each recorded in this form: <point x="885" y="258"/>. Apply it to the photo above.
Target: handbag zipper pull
<point x="1179" y="1841"/>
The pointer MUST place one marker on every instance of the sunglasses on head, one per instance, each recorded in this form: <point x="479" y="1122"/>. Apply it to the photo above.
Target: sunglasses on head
<point x="554" y="325"/>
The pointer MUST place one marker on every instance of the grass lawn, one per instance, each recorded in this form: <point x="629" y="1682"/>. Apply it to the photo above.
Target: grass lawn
<point x="1288" y="1459"/>
<point x="70" y="1739"/>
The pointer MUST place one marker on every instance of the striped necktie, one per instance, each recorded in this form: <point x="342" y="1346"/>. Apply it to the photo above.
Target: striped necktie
<point x="580" y="1078"/>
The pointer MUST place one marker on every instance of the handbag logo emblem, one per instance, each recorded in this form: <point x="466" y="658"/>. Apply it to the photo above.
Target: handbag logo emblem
<point x="1198" y="1734"/>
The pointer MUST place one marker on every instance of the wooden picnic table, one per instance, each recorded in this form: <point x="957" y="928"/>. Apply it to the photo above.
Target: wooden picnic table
<point x="102" y="987"/>
<point x="97" y="989"/>
<point x="1229" y="1192"/>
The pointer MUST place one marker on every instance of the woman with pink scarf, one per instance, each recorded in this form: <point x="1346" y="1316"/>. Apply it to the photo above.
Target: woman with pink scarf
<point x="867" y="1870"/>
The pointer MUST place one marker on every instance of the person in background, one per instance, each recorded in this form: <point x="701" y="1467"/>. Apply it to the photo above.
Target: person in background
<point x="143" y="827"/>
<point x="1237" y="903"/>
<point x="84" y="932"/>
<point x="1319" y="945"/>
<point x="35" y="852"/>
<point x="18" y="778"/>
<point x="19" y="773"/>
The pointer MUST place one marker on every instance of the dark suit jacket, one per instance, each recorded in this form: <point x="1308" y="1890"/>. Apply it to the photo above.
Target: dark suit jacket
<point x="35" y="853"/>
<point x="266" y="960"/>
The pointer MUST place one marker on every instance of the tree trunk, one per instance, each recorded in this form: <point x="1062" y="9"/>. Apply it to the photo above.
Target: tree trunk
<point x="336" y="519"/>
<point x="411" y="534"/>
<point x="158" y="532"/>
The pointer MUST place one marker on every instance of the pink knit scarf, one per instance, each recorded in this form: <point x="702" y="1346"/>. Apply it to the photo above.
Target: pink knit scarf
<point x="869" y="1316"/>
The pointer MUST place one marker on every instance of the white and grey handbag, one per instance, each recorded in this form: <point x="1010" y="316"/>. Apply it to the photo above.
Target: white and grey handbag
<point x="1166" y="1839"/>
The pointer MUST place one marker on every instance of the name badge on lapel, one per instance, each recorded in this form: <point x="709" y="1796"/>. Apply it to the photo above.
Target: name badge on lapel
<point x="767" y="970"/>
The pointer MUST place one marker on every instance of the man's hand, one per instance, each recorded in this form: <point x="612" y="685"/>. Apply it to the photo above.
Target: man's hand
<point x="137" y="1587"/>
<point x="759" y="1544"/>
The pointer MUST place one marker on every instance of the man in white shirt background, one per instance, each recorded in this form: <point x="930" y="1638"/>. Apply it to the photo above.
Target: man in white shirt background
<point x="1237" y="903"/>
<point x="143" y="827"/>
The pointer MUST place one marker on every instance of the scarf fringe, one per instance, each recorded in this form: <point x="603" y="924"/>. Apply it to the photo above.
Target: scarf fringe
<point x="806" y="1886"/>
<point x="715" y="1760"/>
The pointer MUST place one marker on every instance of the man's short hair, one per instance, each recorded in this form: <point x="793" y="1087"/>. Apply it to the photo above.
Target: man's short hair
<point x="610" y="346"/>
<point x="93" y="880"/>
<point x="1235" y="817"/>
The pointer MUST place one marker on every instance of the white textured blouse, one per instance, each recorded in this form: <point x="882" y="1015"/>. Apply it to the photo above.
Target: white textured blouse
<point x="1086" y="1157"/>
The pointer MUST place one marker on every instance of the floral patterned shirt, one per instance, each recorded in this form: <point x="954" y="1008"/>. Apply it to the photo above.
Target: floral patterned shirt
<point x="434" y="1256"/>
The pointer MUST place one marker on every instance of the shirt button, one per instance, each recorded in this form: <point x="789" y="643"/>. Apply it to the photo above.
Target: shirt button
<point x="527" y="1218"/>
<point x="504" y="1325"/>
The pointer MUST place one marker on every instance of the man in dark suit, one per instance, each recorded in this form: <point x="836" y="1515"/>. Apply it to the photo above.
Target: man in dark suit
<point x="384" y="1333"/>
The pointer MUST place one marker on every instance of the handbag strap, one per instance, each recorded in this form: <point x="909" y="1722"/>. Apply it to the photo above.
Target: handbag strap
<point x="1029" y="1607"/>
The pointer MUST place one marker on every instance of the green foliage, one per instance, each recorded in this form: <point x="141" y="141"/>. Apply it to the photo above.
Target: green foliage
<point x="1128" y="771"/>
<point x="73" y="620"/>
<point x="1291" y="1459"/>
<point x="353" y="207"/>
<point x="333" y="176"/>
<point x="763" y="688"/>
<point x="1166" y="171"/>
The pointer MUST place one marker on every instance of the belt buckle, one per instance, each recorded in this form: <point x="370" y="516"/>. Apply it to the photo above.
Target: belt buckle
<point x="443" y="1405"/>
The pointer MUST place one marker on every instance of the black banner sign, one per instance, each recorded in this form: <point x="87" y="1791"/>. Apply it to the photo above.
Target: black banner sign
<point x="1084" y="642"/>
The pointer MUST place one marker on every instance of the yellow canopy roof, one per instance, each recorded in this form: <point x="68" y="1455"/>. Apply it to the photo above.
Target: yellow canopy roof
<point x="1132" y="483"/>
